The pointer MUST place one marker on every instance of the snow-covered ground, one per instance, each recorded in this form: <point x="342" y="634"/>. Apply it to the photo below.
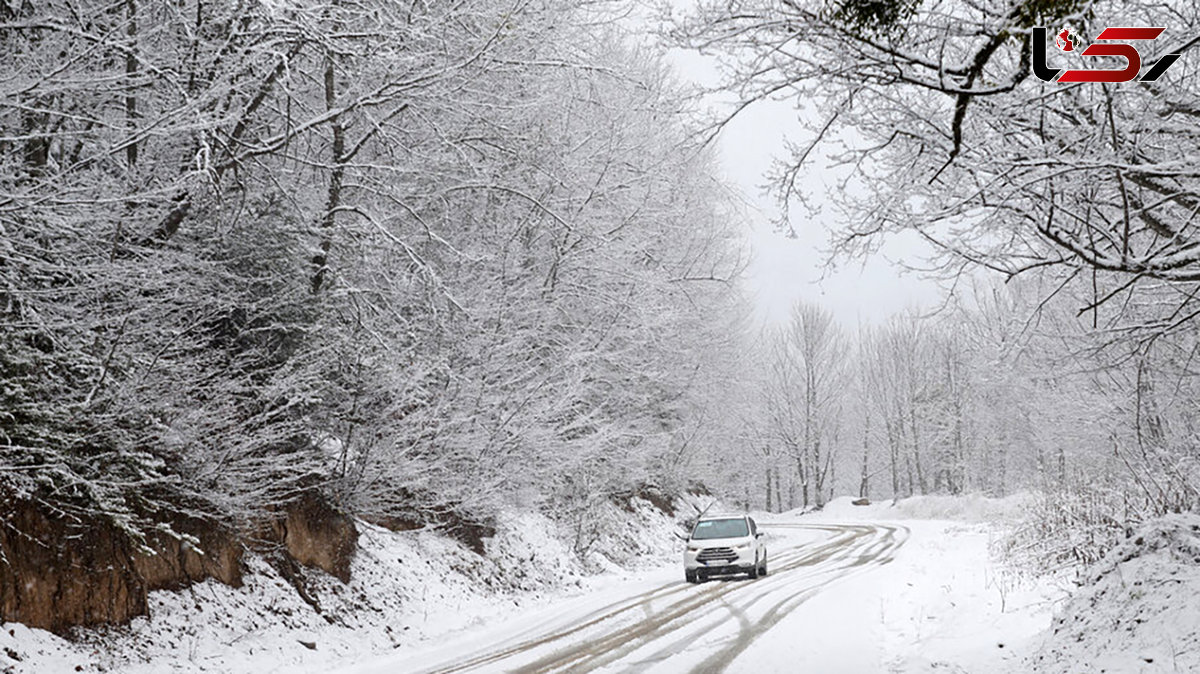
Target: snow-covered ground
<point x="853" y="589"/>
<point x="903" y="589"/>
<point x="945" y="604"/>
<point x="1138" y="611"/>
<point x="406" y="588"/>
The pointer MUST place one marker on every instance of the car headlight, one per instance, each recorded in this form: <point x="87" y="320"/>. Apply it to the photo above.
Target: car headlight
<point x="743" y="546"/>
<point x="693" y="548"/>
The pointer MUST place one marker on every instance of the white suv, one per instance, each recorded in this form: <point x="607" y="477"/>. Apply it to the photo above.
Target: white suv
<point x="722" y="546"/>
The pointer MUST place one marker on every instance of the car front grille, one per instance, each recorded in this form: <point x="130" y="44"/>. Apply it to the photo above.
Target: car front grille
<point x="716" y="555"/>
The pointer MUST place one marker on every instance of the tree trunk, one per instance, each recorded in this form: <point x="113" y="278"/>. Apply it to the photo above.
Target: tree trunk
<point x="333" y="200"/>
<point x="778" y="491"/>
<point x="864" y="480"/>
<point x="131" y="69"/>
<point x="818" y="474"/>
<point x="908" y="467"/>
<point x="960" y="459"/>
<point x="769" y="508"/>
<point x="916" y="456"/>
<point x="864" y="477"/>
<point x="894" y="452"/>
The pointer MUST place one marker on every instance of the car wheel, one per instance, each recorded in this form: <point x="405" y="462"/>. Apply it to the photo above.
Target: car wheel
<point x="690" y="576"/>
<point x="762" y="570"/>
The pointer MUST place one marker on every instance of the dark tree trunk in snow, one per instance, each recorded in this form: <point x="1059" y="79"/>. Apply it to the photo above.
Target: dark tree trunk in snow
<point x="334" y="197"/>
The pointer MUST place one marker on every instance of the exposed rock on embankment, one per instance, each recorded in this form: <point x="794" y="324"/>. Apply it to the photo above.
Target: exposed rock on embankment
<point x="59" y="571"/>
<point x="404" y="586"/>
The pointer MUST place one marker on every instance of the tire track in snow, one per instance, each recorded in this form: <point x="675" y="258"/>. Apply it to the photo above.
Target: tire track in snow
<point x="746" y="593"/>
<point x="879" y="552"/>
<point x="620" y="630"/>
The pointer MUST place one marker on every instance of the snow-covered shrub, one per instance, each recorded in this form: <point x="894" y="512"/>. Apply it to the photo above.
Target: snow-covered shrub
<point x="1065" y="530"/>
<point x="1138" y="609"/>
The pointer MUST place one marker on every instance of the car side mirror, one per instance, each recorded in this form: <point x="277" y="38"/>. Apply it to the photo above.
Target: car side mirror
<point x="758" y="535"/>
<point x="680" y="536"/>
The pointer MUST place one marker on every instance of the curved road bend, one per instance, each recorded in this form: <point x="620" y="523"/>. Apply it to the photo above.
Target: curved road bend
<point x="689" y="628"/>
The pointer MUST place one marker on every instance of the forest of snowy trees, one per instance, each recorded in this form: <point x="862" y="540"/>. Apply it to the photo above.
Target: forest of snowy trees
<point x="421" y="257"/>
<point x="429" y="258"/>
<point x="1062" y="219"/>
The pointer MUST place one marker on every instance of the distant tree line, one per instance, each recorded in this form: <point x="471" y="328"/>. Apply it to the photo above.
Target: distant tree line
<point x="1075" y="377"/>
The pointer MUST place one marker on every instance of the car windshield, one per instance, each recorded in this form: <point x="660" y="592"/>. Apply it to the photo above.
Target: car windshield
<point x="731" y="528"/>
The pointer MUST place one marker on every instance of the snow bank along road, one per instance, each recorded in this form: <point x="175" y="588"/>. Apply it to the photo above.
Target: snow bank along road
<point x="662" y="624"/>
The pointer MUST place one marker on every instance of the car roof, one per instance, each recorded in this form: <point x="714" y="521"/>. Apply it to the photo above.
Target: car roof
<point x="729" y="516"/>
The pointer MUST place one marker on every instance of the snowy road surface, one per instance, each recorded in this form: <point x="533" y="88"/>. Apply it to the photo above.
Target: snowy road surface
<point x="874" y="590"/>
<point x="664" y="624"/>
<point x="853" y="598"/>
<point x="841" y="598"/>
<point x="679" y="626"/>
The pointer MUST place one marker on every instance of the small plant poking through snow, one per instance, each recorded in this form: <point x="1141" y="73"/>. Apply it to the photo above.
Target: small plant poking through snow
<point x="1060" y="532"/>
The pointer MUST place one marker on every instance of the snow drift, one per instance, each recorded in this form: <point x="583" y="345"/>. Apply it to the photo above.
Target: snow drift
<point x="1138" y="609"/>
<point x="972" y="508"/>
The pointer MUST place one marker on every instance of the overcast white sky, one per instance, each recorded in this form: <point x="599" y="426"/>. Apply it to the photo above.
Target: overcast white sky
<point x="786" y="269"/>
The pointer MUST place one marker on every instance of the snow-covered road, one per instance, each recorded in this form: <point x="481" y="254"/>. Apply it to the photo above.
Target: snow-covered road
<point x="880" y="589"/>
<point x="676" y="625"/>
<point x="834" y="602"/>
